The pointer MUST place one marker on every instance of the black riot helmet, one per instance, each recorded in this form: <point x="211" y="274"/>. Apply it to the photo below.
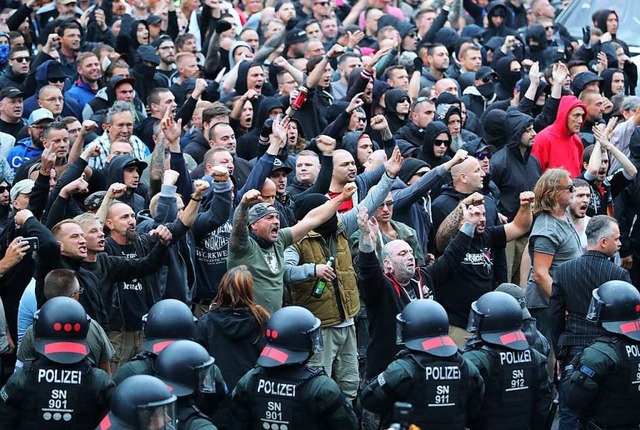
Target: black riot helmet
<point x="141" y="402"/>
<point x="293" y="335"/>
<point x="496" y="317"/>
<point x="167" y="321"/>
<point x="186" y="367"/>
<point x="423" y="325"/>
<point x="616" y="305"/>
<point x="60" y="330"/>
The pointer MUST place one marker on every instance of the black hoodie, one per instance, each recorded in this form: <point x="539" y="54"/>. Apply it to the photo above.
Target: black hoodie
<point x="392" y="97"/>
<point x="511" y="171"/>
<point x="507" y="79"/>
<point x="115" y="173"/>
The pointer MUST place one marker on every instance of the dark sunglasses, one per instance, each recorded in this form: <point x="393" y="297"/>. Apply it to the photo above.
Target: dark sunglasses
<point x="488" y="79"/>
<point x="412" y="34"/>
<point x="323" y="3"/>
<point x="549" y="27"/>
<point x="481" y="156"/>
<point x="4" y="188"/>
<point x="22" y="59"/>
<point x="57" y="80"/>
<point x="438" y="142"/>
<point x="361" y="119"/>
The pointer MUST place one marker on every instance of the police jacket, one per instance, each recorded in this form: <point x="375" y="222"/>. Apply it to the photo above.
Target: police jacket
<point x="603" y="386"/>
<point x="296" y="396"/>
<point x="444" y="391"/>
<point x="518" y="394"/>
<point x="44" y="394"/>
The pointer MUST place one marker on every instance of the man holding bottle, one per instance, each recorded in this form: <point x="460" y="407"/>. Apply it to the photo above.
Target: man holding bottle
<point x="338" y="302"/>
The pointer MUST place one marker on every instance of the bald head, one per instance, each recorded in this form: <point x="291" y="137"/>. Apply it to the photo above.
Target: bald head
<point x="446" y="85"/>
<point x="467" y="176"/>
<point x="268" y="191"/>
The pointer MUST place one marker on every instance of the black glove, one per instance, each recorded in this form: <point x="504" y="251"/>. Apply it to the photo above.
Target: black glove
<point x="222" y="26"/>
<point x="267" y="128"/>
<point x="586" y="35"/>
<point x="417" y="64"/>
<point x="291" y="24"/>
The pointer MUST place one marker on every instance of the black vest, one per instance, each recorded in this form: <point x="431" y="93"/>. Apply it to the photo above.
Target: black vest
<point x="617" y="405"/>
<point x="59" y="396"/>
<point x="439" y="391"/>
<point x="510" y="388"/>
<point x="281" y="402"/>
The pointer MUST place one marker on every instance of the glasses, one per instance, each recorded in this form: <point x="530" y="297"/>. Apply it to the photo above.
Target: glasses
<point x="412" y="34"/>
<point x="4" y="188"/>
<point x="438" y="142"/>
<point x="387" y="204"/>
<point x="481" y="156"/>
<point x="22" y="59"/>
<point x="323" y="3"/>
<point x="56" y="80"/>
<point x="359" y="119"/>
<point x="549" y="27"/>
<point x="488" y="79"/>
<point x="79" y="291"/>
<point x="54" y="99"/>
<point x="571" y="188"/>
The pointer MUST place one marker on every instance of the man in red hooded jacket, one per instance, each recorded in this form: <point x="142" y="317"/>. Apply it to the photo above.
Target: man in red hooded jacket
<point x="559" y="145"/>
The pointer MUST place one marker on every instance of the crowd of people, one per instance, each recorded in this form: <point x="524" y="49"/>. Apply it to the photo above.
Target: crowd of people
<point x="297" y="213"/>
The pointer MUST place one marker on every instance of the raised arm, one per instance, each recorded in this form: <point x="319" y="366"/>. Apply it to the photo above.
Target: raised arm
<point x="321" y="214"/>
<point x="451" y="223"/>
<point x="523" y="219"/>
<point x="188" y="216"/>
<point x="240" y="231"/>
<point x="316" y="74"/>
<point x="629" y="168"/>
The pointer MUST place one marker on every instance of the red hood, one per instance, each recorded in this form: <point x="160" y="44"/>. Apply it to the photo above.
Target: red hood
<point x="567" y="103"/>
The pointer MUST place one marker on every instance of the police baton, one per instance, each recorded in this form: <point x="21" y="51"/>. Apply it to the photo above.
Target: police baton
<point x="552" y="414"/>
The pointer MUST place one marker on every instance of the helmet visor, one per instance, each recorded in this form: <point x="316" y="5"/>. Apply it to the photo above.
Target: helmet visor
<point x="157" y="416"/>
<point x="315" y="336"/>
<point x="595" y="307"/>
<point x="474" y="319"/>
<point x="399" y="330"/>
<point x="206" y="378"/>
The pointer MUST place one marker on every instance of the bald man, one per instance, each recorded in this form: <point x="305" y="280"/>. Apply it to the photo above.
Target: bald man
<point x="468" y="178"/>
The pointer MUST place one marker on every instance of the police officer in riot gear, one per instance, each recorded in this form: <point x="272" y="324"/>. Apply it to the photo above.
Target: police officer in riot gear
<point x="604" y="384"/>
<point x="282" y="392"/>
<point x="443" y="387"/>
<point x="517" y="389"/>
<point x="167" y="321"/>
<point x="60" y="388"/>
<point x="141" y="402"/>
<point x="189" y="370"/>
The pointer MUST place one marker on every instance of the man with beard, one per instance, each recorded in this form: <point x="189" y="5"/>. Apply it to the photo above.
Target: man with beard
<point x="257" y="241"/>
<point x="118" y="126"/>
<point x="11" y="109"/>
<point x="578" y="209"/>
<point x="134" y="297"/>
<point x="389" y="282"/>
<point x="476" y="274"/>
<point x="87" y="86"/>
<point x="596" y="164"/>
<point x="19" y="61"/>
<point x="165" y="71"/>
<point x="437" y="57"/>
<point x="30" y="147"/>
<point x="347" y="62"/>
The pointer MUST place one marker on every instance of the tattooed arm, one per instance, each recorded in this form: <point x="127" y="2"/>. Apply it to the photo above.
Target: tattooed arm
<point x="451" y="223"/>
<point x="240" y="232"/>
<point x="368" y="231"/>
<point x="156" y="167"/>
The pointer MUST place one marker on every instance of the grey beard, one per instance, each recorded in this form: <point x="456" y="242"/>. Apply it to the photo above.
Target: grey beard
<point x="131" y="236"/>
<point x="456" y="142"/>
